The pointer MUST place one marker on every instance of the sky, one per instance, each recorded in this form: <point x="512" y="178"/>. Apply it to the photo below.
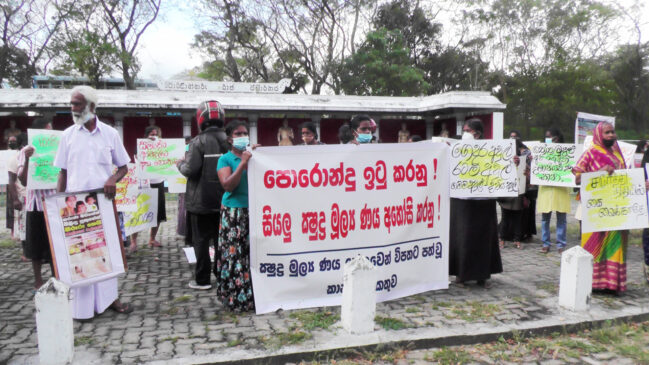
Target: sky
<point x="165" y="46"/>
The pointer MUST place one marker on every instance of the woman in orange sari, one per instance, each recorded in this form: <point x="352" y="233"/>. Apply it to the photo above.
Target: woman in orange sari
<point x="608" y="248"/>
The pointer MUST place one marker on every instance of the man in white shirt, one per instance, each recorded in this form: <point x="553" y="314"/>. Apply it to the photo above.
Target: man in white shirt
<point x="86" y="154"/>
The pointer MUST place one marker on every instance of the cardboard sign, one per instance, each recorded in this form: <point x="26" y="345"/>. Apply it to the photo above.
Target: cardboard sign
<point x="84" y="237"/>
<point x="552" y="164"/>
<point x="42" y="174"/>
<point x="127" y="191"/>
<point x="5" y="156"/>
<point x="483" y="168"/>
<point x="145" y="216"/>
<point x="613" y="202"/>
<point x="157" y="159"/>
<point x="177" y="184"/>
<point x="315" y="208"/>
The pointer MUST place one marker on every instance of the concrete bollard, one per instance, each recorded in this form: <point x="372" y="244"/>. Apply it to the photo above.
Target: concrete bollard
<point x="359" y="296"/>
<point x="54" y="323"/>
<point x="576" y="282"/>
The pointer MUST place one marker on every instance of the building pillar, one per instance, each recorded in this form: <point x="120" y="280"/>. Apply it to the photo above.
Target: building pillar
<point x="119" y="124"/>
<point x="252" y="121"/>
<point x="315" y="119"/>
<point x="459" y="122"/>
<point x="498" y="125"/>
<point x="49" y="116"/>
<point x="429" y="127"/>
<point x="378" y="129"/>
<point x="187" y="124"/>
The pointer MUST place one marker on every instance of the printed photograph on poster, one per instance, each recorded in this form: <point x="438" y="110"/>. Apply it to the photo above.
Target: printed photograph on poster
<point x="84" y="237"/>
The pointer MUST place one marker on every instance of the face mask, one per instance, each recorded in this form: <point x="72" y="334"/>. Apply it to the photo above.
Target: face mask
<point x="240" y="143"/>
<point x="608" y="143"/>
<point x="12" y="145"/>
<point x="548" y="139"/>
<point x="153" y="138"/>
<point x="467" y="136"/>
<point x="83" y="117"/>
<point x="364" y="138"/>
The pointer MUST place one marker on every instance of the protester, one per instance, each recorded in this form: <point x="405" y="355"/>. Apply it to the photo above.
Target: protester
<point x="181" y="219"/>
<point x="510" y="227"/>
<point x="360" y="128"/>
<point x="153" y="133"/>
<point x="87" y="152"/>
<point x="234" y="287"/>
<point x="12" y="144"/>
<point x="204" y="191"/>
<point x="528" y="213"/>
<point x="16" y="194"/>
<point x="37" y="246"/>
<point x="345" y="134"/>
<point x="553" y="199"/>
<point x="608" y="248"/>
<point x="474" y="252"/>
<point x="645" y="232"/>
<point x="641" y="148"/>
<point x="309" y="134"/>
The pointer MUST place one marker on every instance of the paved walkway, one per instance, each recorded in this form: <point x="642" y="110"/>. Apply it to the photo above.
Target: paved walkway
<point x="174" y="324"/>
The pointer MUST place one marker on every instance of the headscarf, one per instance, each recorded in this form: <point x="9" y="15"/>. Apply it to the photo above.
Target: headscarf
<point x="598" y="156"/>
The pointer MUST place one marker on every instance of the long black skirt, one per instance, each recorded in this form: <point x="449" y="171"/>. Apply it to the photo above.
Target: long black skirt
<point x="474" y="252"/>
<point x="529" y="215"/>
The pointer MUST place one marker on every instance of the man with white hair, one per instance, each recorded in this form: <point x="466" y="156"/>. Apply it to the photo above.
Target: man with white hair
<point x="87" y="152"/>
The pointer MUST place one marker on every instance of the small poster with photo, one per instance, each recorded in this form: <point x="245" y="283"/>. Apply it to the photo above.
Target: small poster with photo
<point x="84" y="237"/>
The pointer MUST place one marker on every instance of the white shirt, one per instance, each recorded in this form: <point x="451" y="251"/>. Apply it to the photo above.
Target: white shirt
<point x="89" y="157"/>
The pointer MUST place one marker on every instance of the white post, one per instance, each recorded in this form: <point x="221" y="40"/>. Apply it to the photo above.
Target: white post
<point x="576" y="281"/>
<point x="359" y="296"/>
<point x="54" y="323"/>
<point x="498" y="125"/>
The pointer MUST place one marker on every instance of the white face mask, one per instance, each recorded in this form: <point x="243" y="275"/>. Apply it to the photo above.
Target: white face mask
<point x="467" y="136"/>
<point x="83" y="117"/>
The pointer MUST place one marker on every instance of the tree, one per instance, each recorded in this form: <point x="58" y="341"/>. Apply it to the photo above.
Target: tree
<point x="26" y="29"/>
<point x="85" y="46"/>
<point x="128" y="20"/>
<point x="382" y="66"/>
<point x="305" y="40"/>
<point x="629" y="68"/>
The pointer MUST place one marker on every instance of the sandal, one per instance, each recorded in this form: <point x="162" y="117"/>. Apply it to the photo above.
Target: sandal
<point x="518" y="245"/>
<point x="154" y="243"/>
<point x="501" y="244"/>
<point x="484" y="283"/>
<point x="124" y="308"/>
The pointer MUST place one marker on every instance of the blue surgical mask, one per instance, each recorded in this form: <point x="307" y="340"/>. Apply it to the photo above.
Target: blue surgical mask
<point x="240" y="143"/>
<point x="548" y="139"/>
<point x="364" y="138"/>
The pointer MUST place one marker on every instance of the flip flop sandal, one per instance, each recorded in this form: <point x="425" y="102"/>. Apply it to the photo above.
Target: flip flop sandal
<point x="125" y="308"/>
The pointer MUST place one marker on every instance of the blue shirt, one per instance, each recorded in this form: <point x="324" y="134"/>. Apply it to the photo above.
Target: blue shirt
<point x="238" y="198"/>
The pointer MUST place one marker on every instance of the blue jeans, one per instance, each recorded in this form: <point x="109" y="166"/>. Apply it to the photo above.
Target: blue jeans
<point x="561" y="229"/>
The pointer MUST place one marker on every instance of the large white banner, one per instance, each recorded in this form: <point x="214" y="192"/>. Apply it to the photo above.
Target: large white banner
<point x="483" y="168"/>
<point x="312" y="208"/>
<point x="614" y="202"/>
